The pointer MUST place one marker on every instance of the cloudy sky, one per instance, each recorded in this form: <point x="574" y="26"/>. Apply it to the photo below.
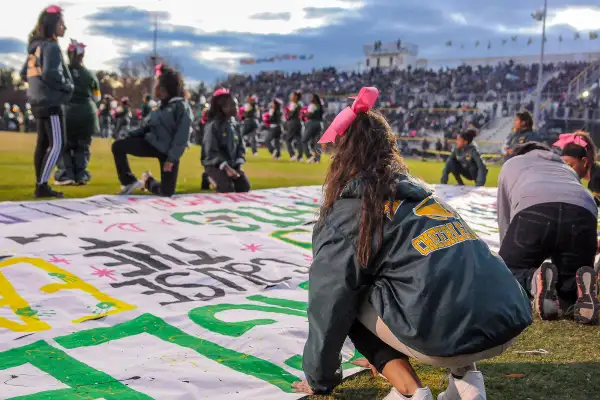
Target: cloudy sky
<point x="208" y="37"/>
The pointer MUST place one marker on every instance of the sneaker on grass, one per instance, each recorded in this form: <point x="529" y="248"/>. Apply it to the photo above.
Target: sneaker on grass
<point x="128" y="189"/>
<point x="420" y="394"/>
<point x="545" y="301"/>
<point x="471" y="386"/>
<point x="587" y="306"/>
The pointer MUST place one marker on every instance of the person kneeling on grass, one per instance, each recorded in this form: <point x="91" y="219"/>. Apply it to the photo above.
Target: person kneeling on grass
<point x="400" y="273"/>
<point x="223" y="149"/>
<point x="545" y="212"/>
<point x="466" y="161"/>
<point x="164" y="135"/>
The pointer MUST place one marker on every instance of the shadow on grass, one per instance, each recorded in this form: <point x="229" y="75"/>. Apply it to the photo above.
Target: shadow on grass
<point x="504" y="381"/>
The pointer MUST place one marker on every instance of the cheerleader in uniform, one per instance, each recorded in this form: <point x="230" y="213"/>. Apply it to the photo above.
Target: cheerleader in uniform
<point x="250" y="118"/>
<point x="273" y="140"/>
<point x="293" y="125"/>
<point x="313" y="130"/>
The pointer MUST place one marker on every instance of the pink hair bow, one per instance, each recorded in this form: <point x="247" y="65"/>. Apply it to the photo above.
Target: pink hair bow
<point x="362" y="103"/>
<point x="220" y="92"/>
<point x="568" y="138"/>
<point x="53" y="9"/>
<point x="76" y="46"/>
<point x="158" y="70"/>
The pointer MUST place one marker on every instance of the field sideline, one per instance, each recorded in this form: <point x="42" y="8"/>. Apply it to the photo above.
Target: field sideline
<point x="569" y="371"/>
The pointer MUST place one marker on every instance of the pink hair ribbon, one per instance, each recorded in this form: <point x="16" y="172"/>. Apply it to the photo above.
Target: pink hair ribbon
<point x="158" y="70"/>
<point x="220" y="92"/>
<point x="362" y="103"/>
<point x="568" y="138"/>
<point x="53" y="9"/>
<point x="76" y="46"/>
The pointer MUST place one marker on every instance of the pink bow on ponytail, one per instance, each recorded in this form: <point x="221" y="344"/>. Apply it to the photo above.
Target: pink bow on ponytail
<point x="53" y="9"/>
<point x="568" y="138"/>
<point x="220" y="92"/>
<point x="362" y="103"/>
<point x="158" y="70"/>
<point x="76" y="46"/>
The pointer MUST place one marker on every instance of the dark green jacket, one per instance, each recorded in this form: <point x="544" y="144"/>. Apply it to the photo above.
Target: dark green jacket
<point x="435" y="284"/>
<point x="594" y="183"/>
<point x="223" y="144"/>
<point x="469" y="158"/>
<point x="82" y="113"/>
<point x="521" y="137"/>
<point x="168" y="128"/>
<point x="50" y="82"/>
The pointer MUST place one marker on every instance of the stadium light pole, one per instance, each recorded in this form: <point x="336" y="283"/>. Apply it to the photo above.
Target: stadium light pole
<point x="538" y="95"/>
<point x="154" y="51"/>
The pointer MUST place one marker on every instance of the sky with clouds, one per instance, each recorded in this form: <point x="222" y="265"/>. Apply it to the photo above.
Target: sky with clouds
<point x="207" y="38"/>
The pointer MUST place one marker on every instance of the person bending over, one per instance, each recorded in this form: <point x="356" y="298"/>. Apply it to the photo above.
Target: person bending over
<point x="223" y="146"/>
<point x="163" y="135"/>
<point x="399" y="272"/>
<point x="544" y="212"/>
<point x="465" y="161"/>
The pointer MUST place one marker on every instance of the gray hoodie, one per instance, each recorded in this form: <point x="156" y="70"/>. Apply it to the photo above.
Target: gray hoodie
<point x="538" y="177"/>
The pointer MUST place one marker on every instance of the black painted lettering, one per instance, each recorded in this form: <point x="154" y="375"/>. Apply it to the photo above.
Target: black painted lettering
<point x="154" y="289"/>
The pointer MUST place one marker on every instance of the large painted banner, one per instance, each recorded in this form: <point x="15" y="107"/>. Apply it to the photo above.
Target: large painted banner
<point x="193" y="297"/>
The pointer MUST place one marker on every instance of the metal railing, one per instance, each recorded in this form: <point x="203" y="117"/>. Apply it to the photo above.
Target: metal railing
<point x="584" y="80"/>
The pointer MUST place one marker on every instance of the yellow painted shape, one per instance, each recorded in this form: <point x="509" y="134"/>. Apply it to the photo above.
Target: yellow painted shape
<point x="9" y="296"/>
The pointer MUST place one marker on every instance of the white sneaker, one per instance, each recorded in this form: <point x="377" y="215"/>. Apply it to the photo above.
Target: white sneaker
<point x="68" y="182"/>
<point x="420" y="394"/>
<point x="470" y="387"/>
<point x="128" y="189"/>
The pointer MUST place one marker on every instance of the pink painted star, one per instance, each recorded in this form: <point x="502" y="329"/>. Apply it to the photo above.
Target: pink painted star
<point x="105" y="272"/>
<point x="252" y="247"/>
<point x="57" y="260"/>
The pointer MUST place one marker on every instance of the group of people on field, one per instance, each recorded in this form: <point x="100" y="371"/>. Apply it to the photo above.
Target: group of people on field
<point x="396" y="269"/>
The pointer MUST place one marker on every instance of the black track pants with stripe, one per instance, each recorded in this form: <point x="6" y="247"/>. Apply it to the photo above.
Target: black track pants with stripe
<point x="50" y="143"/>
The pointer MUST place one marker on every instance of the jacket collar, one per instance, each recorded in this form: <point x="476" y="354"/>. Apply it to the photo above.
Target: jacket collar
<point x="407" y="187"/>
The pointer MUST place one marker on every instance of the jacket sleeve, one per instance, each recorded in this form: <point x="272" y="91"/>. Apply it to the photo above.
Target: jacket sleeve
<point x="53" y="71"/>
<point x="503" y="205"/>
<point x="182" y="135"/>
<point x="333" y="299"/>
<point x="481" y="168"/>
<point x="211" y="147"/>
<point x="240" y="151"/>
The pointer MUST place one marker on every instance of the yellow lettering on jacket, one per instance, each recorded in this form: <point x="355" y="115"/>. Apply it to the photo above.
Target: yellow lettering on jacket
<point x="443" y="236"/>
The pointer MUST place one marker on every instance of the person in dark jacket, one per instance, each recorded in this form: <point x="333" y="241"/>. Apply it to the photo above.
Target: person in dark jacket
<point x="105" y="117"/>
<point x="50" y="88"/>
<point x="579" y="152"/>
<point x="293" y="126"/>
<point x="273" y="139"/>
<point x="544" y="212"/>
<point x="313" y="130"/>
<point x="523" y="132"/>
<point x="164" y="135"/>
<point x="82" y="121"/>
<point x="250" y="118"/>
<point x="465" y="161"/>
<point x="399" y="272"/>
<point x="223" y="149"/>
<point x="146" y="108"/>
<point x="122" y="119"/>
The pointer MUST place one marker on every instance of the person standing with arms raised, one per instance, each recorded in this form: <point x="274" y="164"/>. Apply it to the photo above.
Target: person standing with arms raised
<point x="50" y="88"/>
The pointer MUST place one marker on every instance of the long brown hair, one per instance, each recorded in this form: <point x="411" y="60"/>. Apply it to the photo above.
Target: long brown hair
<point x="367" y="153"/>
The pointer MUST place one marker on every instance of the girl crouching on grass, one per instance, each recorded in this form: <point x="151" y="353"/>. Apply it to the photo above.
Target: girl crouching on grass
<point x="223" y="149"/>
<point x="164" y="135"/>
<point x="400" y="273"/>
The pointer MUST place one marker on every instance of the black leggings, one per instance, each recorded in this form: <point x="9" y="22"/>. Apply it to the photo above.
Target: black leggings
<point x="374" y="349"/>
<point x="50" y="143"/>
<point x="310" y="136"/>
<point x="293" y="136"/>
<point x="273" y="140"/>
<point x="139" y="147"/>
<point x="225" y="184"/>
<point x="564" y="232"/>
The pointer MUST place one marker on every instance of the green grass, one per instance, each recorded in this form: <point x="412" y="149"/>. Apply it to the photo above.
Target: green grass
<point x="568" y="372"/>
<point x="18" y="178"/>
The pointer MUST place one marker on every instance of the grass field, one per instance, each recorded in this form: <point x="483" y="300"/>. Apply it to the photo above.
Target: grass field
<point x="567" y="372"/>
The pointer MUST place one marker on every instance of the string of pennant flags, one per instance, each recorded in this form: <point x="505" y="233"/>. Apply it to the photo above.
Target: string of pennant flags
<point x="279" y="58"/>
<point x="515" y="39"/>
